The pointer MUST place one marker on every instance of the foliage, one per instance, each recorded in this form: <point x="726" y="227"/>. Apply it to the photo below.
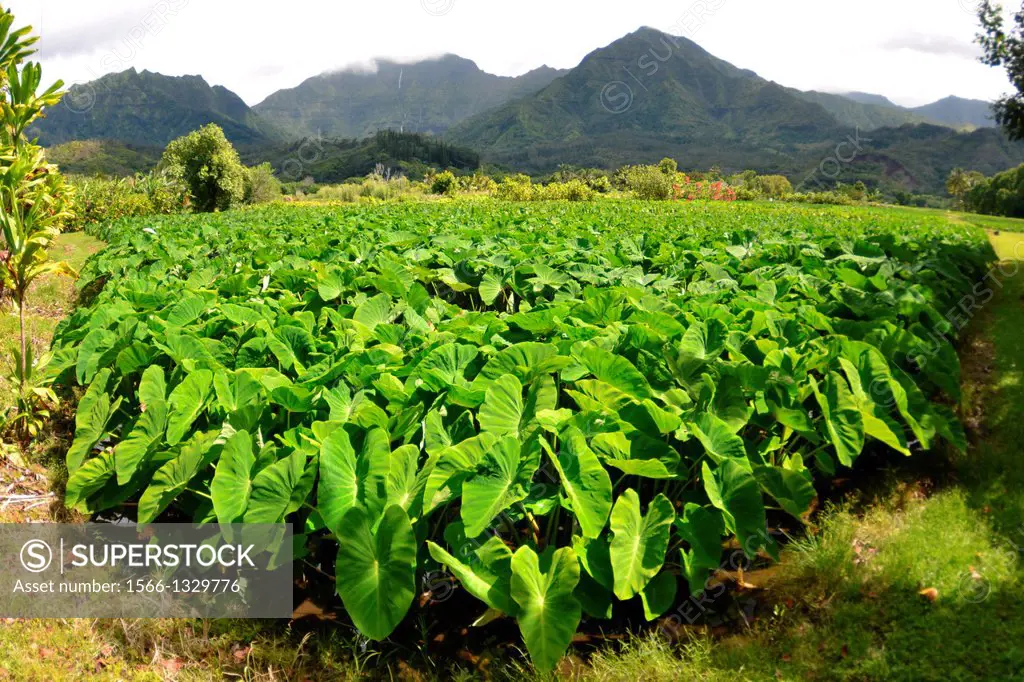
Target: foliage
<point x="595" y="178"/>
<point x="525" y="380"/>
<point x="209" y="166"/>
<point x="97" y="199"/>
<point x="771" y="186"/>
<point x="33" y="197"/>
<point x="333" y="160"/>
<point x="107" y="158"/>
<point x="691" y="190"/>
<point x="960" y="182"/>
<point x="261" y="186"/>
<point x="646" y="182"/>
<point x="444" y="183"/>
<point x="1005" y="47"/>
<point x="1002" y="194"/>
<point x="34" y="400"/>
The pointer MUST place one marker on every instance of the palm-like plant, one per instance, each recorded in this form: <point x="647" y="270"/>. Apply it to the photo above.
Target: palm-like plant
<point x="33" y="197"/>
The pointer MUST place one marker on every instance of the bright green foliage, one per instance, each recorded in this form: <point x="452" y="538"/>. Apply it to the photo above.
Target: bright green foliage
<point x="548" y="612"/>
<point x="209" y="166"/>
<point x="562" y="405"/>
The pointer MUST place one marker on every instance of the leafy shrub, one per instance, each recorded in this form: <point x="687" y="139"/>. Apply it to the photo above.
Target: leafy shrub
<point x="771" y="186"/>
<point x="261" y="186"/>
<point x="648" y="182"/>
<point x="209" y="166"/>
<point x="690" y="190"/>
<point x="96" y="200"/>
<point x="444" y="183"/>
<point x="516" y="188"/>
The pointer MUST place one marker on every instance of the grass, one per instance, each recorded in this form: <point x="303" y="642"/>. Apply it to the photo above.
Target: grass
<point x="921" y="582"/>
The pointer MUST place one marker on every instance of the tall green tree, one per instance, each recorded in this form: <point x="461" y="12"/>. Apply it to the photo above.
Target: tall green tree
<point x="209" y="166"/>
<point x="33" y="197"/>
<point x="1004" y="46"/>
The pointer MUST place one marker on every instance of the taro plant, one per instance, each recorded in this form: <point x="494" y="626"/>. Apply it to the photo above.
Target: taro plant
<point x="568" y="409"/>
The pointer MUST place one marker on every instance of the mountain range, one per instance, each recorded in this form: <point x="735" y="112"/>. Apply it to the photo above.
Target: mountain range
<point x="645" y="96"/>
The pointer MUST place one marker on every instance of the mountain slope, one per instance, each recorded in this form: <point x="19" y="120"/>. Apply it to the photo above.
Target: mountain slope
<point x="866" y="113"/>
<point x="959" y="112"/>
<point x="868" y="98"/>
<point x="427" y="96"/>
<point x="691" y="100"/>
<point x="651" y="95"/>
<point x="144" y="108"/>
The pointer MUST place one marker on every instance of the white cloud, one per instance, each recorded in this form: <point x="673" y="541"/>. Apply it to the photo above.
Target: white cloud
<point x="912" y="51"/>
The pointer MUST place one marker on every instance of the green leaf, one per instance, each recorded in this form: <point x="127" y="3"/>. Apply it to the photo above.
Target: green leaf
<point x="274" y="489"/>
<point x="338" y="490"/>
<point x="186" y="403"/>
<point x="659" y="595"/>
<point x="486" y="574"/>
<point x="585" y="481"/>
<point x="614" y="370"/>
<point x="94" y="412"/>
<point x="498" y="486"/>
<point x="376" y="571"/>
<point x="171" y="479"/>
<point x="142" y="441"/>
<point x="703" y="530"/>
<point x="733" y="489"/>
<point x="232" y="482"/>
<point x="639" y="542"/>
<point x="374" y="312"/>
<point x="502" y="410"/>
<point x="718" y="439"/>
<point x="548" y="611"/>
<point x="153" y="386"/>
<point x="843" y="420"/>
<point x="793" y="490"/>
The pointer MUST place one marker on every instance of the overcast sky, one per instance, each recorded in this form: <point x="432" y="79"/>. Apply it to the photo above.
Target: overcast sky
<point x="912" y="51"/>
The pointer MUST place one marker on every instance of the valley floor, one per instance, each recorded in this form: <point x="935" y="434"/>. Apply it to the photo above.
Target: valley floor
<point x="916" y="577"/>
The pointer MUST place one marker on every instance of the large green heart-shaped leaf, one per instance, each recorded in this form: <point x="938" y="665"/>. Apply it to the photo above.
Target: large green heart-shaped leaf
<point x="276" y="488"/>
<point x="173" y="477"/>
<point x="502" y="410"/>
<point x="153" y="386"/>
<point x="614" y="370"/>
<point x="842" y="416"/>
<point x="639" y="541"/>
<point x="792" y="489"/>
<point x="719" y="441"/>
<point x="142" y="441"/>
<point x="703" y="530"/>
<point x="186" y="402"/>
<point x="499" y="484"/>
<point x="376" y="571"/>
<point x="585" y="481"/>
<point x="548" y="611"/>
<point x="94" y="412"/>
<point x="232" y="481"/>
<point x="485" y="572"/>
<point x="732" y="488"/>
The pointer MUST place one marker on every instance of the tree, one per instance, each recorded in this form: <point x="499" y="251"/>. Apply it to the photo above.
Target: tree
<point x="960" y="182"/>
<point x="260" y="184"/>
<point x="33" y="197"/>
<point x="1005" y="47"/>
<point x="668" y="167"/>
<point x="209" y="166"/>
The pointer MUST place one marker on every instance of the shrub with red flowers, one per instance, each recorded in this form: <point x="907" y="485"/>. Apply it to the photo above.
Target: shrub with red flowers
<point x="688" y="189"/>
